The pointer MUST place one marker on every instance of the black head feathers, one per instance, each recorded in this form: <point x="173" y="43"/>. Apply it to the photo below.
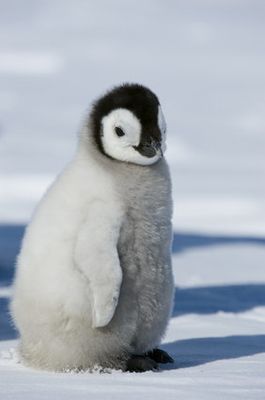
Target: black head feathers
<point x="138" y="99"/>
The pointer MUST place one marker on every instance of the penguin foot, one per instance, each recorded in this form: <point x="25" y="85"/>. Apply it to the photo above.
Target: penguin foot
<point x="141" y="364"/>
<point x="159" y="356"/>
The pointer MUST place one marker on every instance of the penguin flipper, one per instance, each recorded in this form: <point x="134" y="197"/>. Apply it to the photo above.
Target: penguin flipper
<point x="96" y="258"/>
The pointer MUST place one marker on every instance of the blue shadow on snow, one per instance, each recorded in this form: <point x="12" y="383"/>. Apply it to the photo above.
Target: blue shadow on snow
<point x="198" y="351"/>
<point x="212" y="299"/>
<point x="186" y="241"/>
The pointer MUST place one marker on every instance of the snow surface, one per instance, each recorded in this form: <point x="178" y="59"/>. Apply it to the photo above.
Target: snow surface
<point x="206" y="61"/>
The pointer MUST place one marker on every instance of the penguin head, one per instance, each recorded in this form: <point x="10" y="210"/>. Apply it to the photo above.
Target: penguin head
<point x="128" y="125"/>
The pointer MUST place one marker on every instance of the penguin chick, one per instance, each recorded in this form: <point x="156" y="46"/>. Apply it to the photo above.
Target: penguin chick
<point x="93" y="284"/>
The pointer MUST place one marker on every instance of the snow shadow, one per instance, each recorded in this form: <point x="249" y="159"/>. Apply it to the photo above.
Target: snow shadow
<point x="213" y="299"/>
<point x="186" y="241"/>
<point x="7" y="330"/>
<point x="197" y="351"/>
<point x="10" y="240"/>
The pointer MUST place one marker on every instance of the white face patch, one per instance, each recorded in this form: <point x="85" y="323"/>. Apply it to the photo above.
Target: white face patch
<point x="122" y="147"/>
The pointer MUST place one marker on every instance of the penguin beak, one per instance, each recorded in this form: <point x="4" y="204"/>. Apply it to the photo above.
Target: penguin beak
<point x="157" y="146"/>
<point x="149" y="149"/>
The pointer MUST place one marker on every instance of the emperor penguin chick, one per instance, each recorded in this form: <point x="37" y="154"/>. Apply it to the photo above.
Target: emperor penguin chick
<point x="93" y="284"/>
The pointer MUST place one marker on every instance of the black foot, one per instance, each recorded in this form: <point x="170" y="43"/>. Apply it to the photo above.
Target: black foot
<point x="141" y="364"/>
<point x="160" y="356"/>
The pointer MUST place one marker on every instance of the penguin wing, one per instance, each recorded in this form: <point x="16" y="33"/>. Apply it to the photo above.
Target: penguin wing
<point x="96" y="257"/>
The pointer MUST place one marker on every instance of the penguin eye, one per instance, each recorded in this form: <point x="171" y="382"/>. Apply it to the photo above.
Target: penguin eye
<point x="119" y="131"/>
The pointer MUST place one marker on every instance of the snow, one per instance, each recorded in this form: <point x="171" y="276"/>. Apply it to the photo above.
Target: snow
<point x="206" y="61"/>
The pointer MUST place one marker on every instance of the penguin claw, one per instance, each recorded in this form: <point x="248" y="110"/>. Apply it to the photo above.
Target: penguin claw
<point x="160" y="356"/>
<point x="141" y="364"/>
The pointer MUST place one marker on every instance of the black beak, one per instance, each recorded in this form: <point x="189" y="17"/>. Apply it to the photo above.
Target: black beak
<point x="149" y="149"/>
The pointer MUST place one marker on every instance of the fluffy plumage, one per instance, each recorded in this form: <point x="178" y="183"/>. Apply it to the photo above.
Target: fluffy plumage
<point x="94" y="282"/>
